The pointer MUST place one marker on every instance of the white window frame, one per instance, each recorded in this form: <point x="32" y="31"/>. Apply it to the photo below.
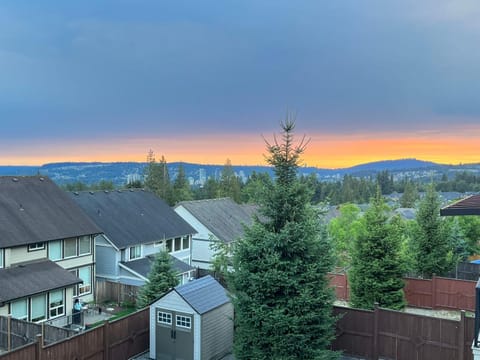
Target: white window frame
<point x="89" y="245"/>
<point x="1" y="259"/>
<point x="36" y="246"/>
<point x="61" y="249"/>
<point x="158" y="243"/>
<point x="56" y="306"/>
<point x="25" y="304"/>
<point x="183" y="321"/>
<point x="187" y="240"/>
<point x="45" y="314"/>
<point x="164" y="318"/>
<point x="134" y="252"/>
<point x="64" y="247"/>
<point x="85" y="287"/>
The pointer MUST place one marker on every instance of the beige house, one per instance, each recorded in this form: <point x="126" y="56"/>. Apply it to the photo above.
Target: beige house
<point x="47" y="253"/>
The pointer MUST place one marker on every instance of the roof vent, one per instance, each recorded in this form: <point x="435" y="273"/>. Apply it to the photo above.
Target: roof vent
<point x="91" y="192"/>
<point x="15" y="179"/>
<point x="42" y="178"/>
<point x="75" y="193"/>
<point x="131" y="190"/>
<point x="99" y="213"/>
<point x="105" y="191"/>
<point x="21" y="207"/>
<point x="119" y="191"/>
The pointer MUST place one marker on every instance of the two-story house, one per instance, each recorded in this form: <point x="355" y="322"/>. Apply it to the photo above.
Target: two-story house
<point x="136" y="224"/>
<point x="47" y="257"/>
<point x="214" y="220"/>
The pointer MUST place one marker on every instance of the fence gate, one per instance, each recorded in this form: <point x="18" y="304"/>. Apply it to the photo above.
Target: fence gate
<point x="174" y="335"/>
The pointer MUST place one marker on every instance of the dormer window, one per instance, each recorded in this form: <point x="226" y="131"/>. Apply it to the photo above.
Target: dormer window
<point x="135" y="252"/>
<point x="36" y="246"/>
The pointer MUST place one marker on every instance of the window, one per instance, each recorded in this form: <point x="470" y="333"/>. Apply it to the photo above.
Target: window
<point x="85" y="273"/>
<point x="38" y="310"/>
<point x="135" y="252"/>
<point x="1" y="258"/>
<point x="36" y="246"/>
<point x="186" y="242"/>
<point x="178" y="244"/>
<point x="84" y="245"/>
<point x="69" y="247"/>
<point x="18" y="309"/>
<point x="184" y="321"/>
<point x="164" y="318"/>
<point x="74" y="272"/>
<point x="56" y="304"/>
<point x="169" y="245"/>
<point x="55" y="250"/>
<point x="158" y="243"/>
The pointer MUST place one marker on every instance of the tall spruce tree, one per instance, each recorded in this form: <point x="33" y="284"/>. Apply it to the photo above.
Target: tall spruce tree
<point x="282" y="298"/>
<point x="181" y="187"/>
<point x="377" y="268"/>
<point x="157" y="178"/>
<point x="431" y="242"/>
<point x="160" y="279"/>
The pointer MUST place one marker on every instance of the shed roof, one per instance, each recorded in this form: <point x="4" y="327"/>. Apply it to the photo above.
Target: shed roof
<point x="144" y="265"/>
<point x="33" y="278"/>
<point x="224" y="217"/>
<point x="131" y="217"/>
<point x="34" y="209"/>
<point x="467" y="206"/>
<point x="204" y="294"/>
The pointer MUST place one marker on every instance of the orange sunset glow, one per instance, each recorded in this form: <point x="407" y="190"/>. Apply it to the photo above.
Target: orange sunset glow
<point x="323" y="151"/>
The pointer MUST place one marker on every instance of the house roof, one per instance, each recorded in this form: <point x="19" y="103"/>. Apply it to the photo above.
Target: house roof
<point x="34" y="209"/>
<point x="204" y="294"/>
<point x="467" y="206"/>
<point x="32" y="278"/>
<point x="142" y="266"/>
<point x="223" y="217"/>
<point x="131" y="217"/>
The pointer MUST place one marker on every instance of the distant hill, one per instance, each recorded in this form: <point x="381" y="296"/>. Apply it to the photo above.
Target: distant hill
<point x="122" y="172"/>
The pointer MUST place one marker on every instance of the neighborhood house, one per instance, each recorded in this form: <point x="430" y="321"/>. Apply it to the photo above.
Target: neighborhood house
<point x="47" y="256"/>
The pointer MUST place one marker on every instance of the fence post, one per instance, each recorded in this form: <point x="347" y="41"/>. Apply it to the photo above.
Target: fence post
<point x="106" y="341"/>
<point x="434" y="291"/>
<point x="347" y="295"/>
<point x="376" y="314"/>
<point x="39" y="347"/>
<point x="461" y="337"/>
<point x="9" y="332"/>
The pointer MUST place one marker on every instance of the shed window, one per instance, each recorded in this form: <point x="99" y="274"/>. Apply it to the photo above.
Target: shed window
<point x="164" y="318"/>
<point x="184" y="321"/>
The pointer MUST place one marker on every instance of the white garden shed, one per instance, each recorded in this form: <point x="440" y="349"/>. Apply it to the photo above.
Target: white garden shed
<point x="191" y="322"/>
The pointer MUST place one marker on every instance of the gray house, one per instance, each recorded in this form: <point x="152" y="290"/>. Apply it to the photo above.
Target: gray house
<point x="136" y="225"/>
<point x="192" y="322"/>
<point x="214" y="220"/>
<point x="47" y="257"/>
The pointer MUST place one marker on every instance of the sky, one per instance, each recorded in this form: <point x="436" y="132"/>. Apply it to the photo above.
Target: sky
<point x="205" y="81"/>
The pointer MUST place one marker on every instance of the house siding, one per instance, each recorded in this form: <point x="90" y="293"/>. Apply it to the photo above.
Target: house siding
<point x="217" y="321"/>
<point x="21" y="254"/>
<point x="126" y="277"/>
<point x="76" y="262"/>
<point x="202" y="254"/>
<point x="107" y="262"/>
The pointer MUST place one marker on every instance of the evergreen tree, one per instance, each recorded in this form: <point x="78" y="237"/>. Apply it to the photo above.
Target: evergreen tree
<point x="157" y="178"/>
<point x="229" y="185"/>
<point x="160" y="279"/>
<point x="430" y="240"/>
<point x="255" y="187"/>
<point x="282" y="298"/>
<point x="181" y="187"/>
<point x="377" y="268"/>
<point x="409" y="196"/>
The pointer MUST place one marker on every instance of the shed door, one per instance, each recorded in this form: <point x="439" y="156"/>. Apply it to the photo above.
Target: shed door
<point x="174" y="335"/>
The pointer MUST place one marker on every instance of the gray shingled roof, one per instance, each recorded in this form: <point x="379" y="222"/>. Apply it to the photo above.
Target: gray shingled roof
<point x="143" y="266"/>
<point x="34" y="209"/>
<point x="204" y="294"/>
<point x="223" y="217"/>
<point x="131" y="217"/>
<point x="32" y="278"/>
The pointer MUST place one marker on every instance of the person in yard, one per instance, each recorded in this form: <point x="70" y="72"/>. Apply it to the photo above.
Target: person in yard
<point x="77" y="308"/>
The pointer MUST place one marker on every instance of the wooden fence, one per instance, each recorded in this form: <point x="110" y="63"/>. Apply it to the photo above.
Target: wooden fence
<point x="396" y="335"/>
<point x="435" y="293"/>
<point x="120" y="339"/>
<point x="116" y="292"/>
